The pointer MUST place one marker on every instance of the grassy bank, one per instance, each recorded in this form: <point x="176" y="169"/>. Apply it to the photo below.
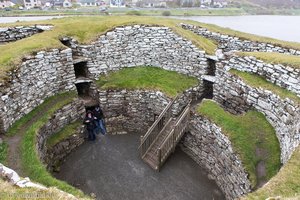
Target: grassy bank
<point x="275" y="58"/>
<point x="64" y="133"/>
<point x="3" y="152"/>
<point x="247" y="133"/>
<point x="259" y="81"/>
<point x="31" y="164"/>
<point x="152" y="78"/>
<point x="11" y="192"/>
<point x="285" y="184"/>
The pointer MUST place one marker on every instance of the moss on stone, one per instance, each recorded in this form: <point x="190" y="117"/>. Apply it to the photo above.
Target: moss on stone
<point x="247" y="133"/>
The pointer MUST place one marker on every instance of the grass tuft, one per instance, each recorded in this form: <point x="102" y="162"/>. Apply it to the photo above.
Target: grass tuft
<point x="247" y="133"/>
<point x="64" y="133"/>
<point x="154" y="78"/>
<point x="275" y="58"/>
<point x="259" y="81"/>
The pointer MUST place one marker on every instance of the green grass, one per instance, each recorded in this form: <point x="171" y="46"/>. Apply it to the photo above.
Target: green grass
<point x="11" y="192"/>
<point x="3" y="152"/>
<point x="31" y="164"/>
<point x="285" y="184"/>
<point x="154" y="78"/>
<point x="259" y="81"/>
<point x="246" y="133"/>
<point x="275" y="58"/>
<point x="66" y="132"/>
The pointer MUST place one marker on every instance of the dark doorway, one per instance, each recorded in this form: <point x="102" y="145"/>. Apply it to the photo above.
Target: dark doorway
<point x="211" y="67"/>
<point x="81" y="69"/>
<point x="208" y="92"/>
<point x="83" y="89"/>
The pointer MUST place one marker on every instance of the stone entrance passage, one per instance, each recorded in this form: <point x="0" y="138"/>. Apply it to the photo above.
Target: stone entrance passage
<point x="81" y="70"/>
<point x="83" y="89"/>
<point x="112" y="169"/>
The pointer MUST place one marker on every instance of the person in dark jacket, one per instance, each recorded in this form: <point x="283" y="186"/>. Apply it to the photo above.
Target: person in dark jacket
<point x="98" y="114"/>
<point x="90" y="123"/>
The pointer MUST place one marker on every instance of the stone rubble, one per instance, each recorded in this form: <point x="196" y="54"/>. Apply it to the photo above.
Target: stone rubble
<point x="10" y="34"/>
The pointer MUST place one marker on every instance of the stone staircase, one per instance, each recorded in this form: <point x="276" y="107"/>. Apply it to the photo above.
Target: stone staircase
<point x="162" y="137"/>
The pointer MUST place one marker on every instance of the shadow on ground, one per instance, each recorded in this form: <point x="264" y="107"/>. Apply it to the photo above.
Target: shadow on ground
<point x="111" y="168"/>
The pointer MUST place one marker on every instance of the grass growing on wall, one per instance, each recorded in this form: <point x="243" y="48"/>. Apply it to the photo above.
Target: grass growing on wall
<point x="64" y="133"/>
<point x="285" y="184"/>
<point x="85" y="30"/>
<point x="275" y="58"/>
<point x="18" y="125"/>
<point x="259" y="81"/>
<point x="31" y="164"/>
<point x="3" y="152"/>
<point x="155" y="78"/>
<point x="247" y="133"/>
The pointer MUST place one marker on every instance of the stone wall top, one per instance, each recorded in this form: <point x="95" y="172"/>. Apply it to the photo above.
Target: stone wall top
<point x="229" y="43"/>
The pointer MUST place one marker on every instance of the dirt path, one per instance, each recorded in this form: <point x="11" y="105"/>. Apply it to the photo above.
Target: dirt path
<point x="14" y="142"/>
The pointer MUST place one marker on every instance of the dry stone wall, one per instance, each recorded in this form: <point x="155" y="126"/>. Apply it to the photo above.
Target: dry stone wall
<point x="284" y="114"/>
<point x="143" y="45"/>
<point x="230" y="43"/>
<point x="283" y="76"/>
<point x="38" y="77"/>
<point x="210" y="148"/>
<point x="62" y="117"/>
<point x="10" y="34"/>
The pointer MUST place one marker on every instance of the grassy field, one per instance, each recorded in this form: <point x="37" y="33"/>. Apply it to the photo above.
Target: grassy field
<point x="64" y="133"/>
<point x="285" y="184"/>
<point x="259" y="81"/>
<point x="3" y="152"/>
<point x="275" y="58"/>
<point x="31" y="163"/>
<point x="247" y="133"/>
<point x="154" y="78"/>
<point x="123" y="11"/>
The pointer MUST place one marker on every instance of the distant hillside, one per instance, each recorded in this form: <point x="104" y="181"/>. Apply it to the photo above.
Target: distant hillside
<point x="270" y="3"/>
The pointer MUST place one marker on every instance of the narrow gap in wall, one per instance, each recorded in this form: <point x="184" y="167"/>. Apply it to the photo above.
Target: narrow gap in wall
<point x="81" y="69"/>
<point x="66" y="41"/>
<point x="208" y="92"/>
<point x="211" y="67"/>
